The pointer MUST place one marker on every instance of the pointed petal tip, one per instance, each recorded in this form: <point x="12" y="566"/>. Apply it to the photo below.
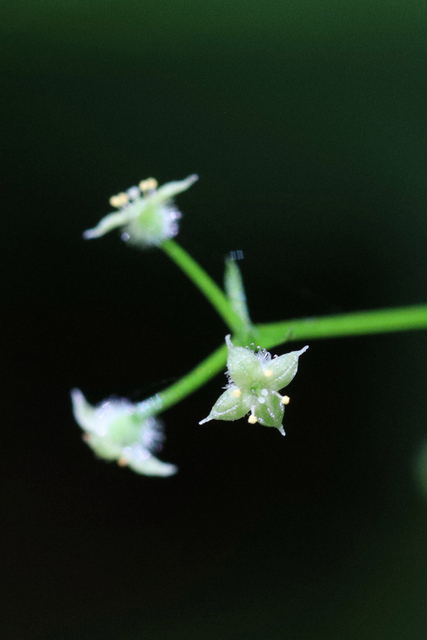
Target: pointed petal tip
<point x="173" y="470"/>
<point x="152" y="467"/>
<point x="83" y="412"/>
<point x="89" y="234"/>
<point x="208" y="419"/>
<point x="76" y="395"/>
<point x="166" y="470"/>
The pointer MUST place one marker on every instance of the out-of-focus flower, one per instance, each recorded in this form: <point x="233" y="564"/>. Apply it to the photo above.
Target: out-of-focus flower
<point x="146" y="213"/>
<point x="116" y="430"/>
<point x="254" y="380"/>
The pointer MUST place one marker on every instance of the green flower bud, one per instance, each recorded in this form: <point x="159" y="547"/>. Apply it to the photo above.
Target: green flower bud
<point x="234" y="288"/>
<point x="255" y="379"/>
<point x="146" y="214"/>
<point x="118" y="430"/>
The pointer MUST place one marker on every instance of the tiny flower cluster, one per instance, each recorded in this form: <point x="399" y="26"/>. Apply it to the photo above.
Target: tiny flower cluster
<point x="254" y="380"/>
<point x="117" y="430"/>
<point x="146" y="213"/>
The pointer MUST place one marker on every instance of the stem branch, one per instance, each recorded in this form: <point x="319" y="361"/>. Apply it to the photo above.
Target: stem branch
<point x="275" y="333"/>
<point x="204" y="283"/>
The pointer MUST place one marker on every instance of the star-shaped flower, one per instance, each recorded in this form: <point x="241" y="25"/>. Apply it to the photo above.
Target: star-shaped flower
<point x="146" y="214"/>
<point x="254" y="382"/>
<point x="116" y="430"/>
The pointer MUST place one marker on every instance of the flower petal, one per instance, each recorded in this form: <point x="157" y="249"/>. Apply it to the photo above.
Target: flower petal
<point x="171" y="189"/>
<point x="244" y="368"/>
<point x="84" y="413"/>
<point x="282" y="370"/>
<point x="269" y="411"/>
<point x="106" y="224"/>
<point x="231" y="405"/>
<point x="140" y="460"/>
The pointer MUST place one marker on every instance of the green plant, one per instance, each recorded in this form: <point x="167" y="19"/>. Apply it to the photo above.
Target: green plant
<point x="130" y="433"/>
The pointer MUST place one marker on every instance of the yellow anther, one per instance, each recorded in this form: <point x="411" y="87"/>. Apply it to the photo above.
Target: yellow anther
<point x="268" y="373"/>
<point x="122" y="462"/>
<point x="119" y="200"/>
<point x="236" y="393"/>
<point x="148" y="185"/>
<point x="252" y="419"/>
<point x="286" y="400"/>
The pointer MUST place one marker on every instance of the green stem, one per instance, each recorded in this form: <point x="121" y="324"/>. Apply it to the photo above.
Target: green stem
<point x="204" y="283"/>
<point x="193" y="380"/>
<point x="348" y="324"/>
<point x="275" y="333"/>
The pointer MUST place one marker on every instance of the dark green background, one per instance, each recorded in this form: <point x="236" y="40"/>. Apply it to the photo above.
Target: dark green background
<point x="307" y="124"/>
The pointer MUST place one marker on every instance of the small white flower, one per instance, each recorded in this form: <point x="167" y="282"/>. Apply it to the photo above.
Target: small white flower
<point x="254" y="381"/>
<point x="116" y="430"/>
<point x="146" y="213"/>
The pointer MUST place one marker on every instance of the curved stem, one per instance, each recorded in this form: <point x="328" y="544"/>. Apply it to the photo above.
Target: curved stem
<point x="201" y="374"/>
<point x="205" y="284"/>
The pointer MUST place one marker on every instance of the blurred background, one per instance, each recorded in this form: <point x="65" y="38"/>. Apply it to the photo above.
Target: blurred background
<point x="306" y="122"/>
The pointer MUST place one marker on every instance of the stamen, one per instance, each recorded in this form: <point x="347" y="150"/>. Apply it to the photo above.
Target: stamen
<point x="236" y="393"/>
<point x="268" y="373"/>
<point x="148" y="185"/>
<point x="285" y="400"/>
<point x="119" y="200"/>
<point x="252" y="419"/>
